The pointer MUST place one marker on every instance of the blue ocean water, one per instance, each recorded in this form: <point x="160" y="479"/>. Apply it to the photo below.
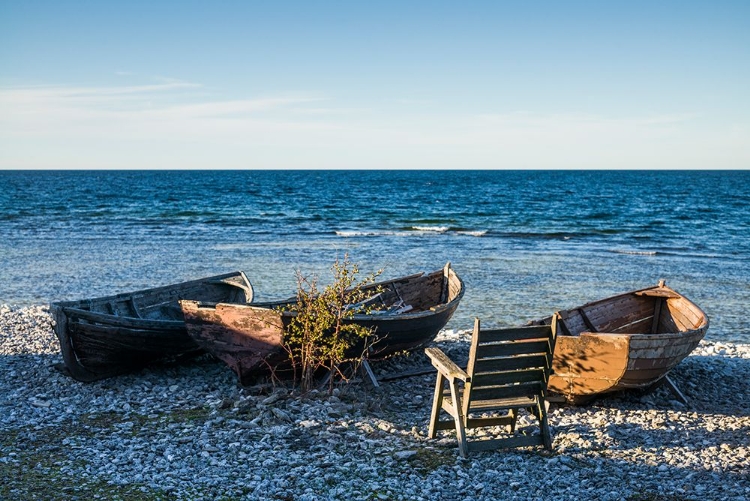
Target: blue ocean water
<point x="525" y="242"/>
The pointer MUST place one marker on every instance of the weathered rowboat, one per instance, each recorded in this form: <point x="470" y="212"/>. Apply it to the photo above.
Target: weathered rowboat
<point x="627" y="341"/>
<point x="107" y="336"/>
<point x="248" y="338"/>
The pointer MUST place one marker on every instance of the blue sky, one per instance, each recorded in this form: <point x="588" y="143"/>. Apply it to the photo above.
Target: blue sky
<point x="374" y="84"/>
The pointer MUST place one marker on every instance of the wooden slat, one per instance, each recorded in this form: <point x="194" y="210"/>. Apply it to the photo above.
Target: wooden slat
<point x="667" y="324"/>
<point x="506" y="377"/>
<point x="503" y="392"/>
<point x="502" y="443"/>
<point x="514" y="348"/>
<point x="136" y="313"/>
<point x="564" y="327"/>
<point x="508" y="403"/>
<point x="444" y="425"/>
<point x="124" y="338"/>
<point x="515" y="333"/>
<point x="506" y="364"/>
<point x="489" y="421"/>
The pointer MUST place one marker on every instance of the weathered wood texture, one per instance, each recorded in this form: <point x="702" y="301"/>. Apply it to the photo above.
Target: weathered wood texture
<point x="223" y="329"/>
<point x="107" y="336"/>
<point x="508" y="370"/>
<point x="638" y="337"/>
<point x="411" y="315"/>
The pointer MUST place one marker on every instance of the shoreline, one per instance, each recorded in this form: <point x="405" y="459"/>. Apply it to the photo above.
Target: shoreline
<point x="189" y="432"/>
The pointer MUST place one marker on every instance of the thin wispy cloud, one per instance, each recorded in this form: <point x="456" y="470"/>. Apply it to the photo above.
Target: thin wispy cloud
<point x="194" y="125"/>
<point x="234" y="107"/>
<point x="52" y="92"/>
<point x="155" y="101"/>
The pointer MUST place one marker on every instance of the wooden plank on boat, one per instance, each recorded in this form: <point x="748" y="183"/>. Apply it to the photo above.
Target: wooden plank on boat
<point x="588" y="364"/>
<point x="138" y="323"/>
<point x="622" y="314"/>
<point x="586" y="320"/>
<point x="657" y="315"/>
<point x="682" y="319"/>
<point x="661" y="293"/>
<point x="686" y="311"/>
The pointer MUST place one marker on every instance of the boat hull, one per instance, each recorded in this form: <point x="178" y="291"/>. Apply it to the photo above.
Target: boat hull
<point x="112" y="335"/>
<point x="249" y="338"/>
<point x="629" y="341"/>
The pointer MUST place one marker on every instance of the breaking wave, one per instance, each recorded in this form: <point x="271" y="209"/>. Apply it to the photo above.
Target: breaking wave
<point x="634" y="252"/>
<point x="411" y="231"/>
<point x="437" y="229"/>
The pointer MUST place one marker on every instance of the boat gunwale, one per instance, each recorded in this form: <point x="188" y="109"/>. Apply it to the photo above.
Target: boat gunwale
<point x="76" y="304"/>
<point x="124" y="321"/>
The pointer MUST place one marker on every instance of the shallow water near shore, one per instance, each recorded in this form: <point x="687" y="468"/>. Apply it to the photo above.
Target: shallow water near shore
<point x="525" y="242"/>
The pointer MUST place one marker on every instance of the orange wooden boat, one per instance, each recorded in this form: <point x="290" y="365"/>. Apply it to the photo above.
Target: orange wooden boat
<point x="628" y="341"/>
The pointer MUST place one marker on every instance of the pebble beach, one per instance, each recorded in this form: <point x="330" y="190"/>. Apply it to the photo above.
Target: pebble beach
<point x="190" y="432"/>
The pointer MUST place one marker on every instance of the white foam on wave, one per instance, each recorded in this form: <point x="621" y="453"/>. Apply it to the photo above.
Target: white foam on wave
<point x="437" y="229"/>
<point x="357" y="233"/>
<point x="364" y="233"/>
<point x="477" y="233"/>
<point x="634" y="252"/>
<point x="415" y="230"/>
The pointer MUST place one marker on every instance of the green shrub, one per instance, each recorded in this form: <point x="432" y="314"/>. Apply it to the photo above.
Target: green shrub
<point x="320" y="334"/>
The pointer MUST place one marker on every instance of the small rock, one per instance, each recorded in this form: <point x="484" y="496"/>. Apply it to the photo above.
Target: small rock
<point x="273" y="398"/>
<point x="283" y="416"/>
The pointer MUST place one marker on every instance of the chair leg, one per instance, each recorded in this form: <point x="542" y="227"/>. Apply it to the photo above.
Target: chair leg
<point x="544" y="425"/>
<point x="513" y="417"/>
<point x="437" y="404"/>
<point x="458" y="417"/>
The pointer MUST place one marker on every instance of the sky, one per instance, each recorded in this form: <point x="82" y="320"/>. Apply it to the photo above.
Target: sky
<point x="384" y="85"/>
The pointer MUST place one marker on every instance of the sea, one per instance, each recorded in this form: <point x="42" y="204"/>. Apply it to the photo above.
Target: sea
<point x="526" y="243"/>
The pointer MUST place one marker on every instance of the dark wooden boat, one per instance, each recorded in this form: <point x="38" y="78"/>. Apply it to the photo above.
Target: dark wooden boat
<point x="248" y="338"/>
<point x="628" y="341"/>
<point x="107" y="336"/>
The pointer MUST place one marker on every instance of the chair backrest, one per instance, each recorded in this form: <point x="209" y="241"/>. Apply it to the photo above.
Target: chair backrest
<point x="509" y="363"/>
